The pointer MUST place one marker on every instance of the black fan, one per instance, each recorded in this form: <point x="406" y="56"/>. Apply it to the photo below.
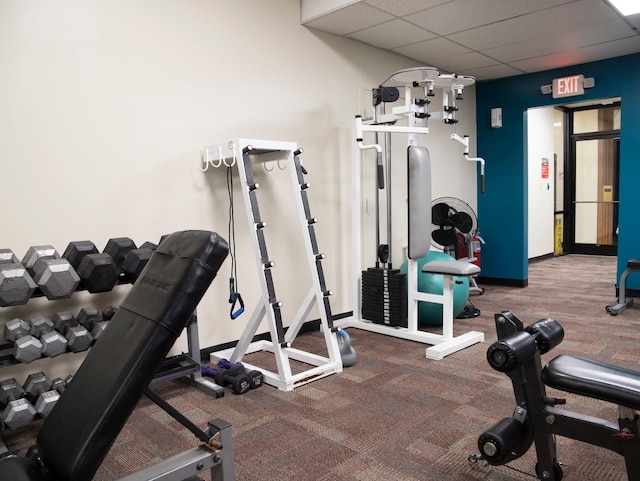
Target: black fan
<point x="454" y="226"/>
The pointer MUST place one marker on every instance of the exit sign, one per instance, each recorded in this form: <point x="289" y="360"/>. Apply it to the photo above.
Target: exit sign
<point x="568" y="86"/>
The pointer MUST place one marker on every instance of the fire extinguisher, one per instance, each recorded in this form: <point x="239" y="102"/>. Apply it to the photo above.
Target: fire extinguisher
<point x="476" y="247"/>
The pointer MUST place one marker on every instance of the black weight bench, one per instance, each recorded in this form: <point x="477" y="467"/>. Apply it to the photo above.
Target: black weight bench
<point x="78" y="433"/>
<point x="536" y="419"/>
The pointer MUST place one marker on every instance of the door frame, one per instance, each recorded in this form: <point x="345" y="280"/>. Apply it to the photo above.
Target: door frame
<point x="570" y="140"/>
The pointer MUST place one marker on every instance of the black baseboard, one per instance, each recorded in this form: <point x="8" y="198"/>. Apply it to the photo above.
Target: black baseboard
<point x="307" y="328"/>
<point x="541" y="258"/>
<point x="498" y="281"/>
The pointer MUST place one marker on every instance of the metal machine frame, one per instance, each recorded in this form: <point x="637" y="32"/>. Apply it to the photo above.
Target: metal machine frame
<point x="539" y="418"/>
<point x="244" y="153"/>
<point x="415" y="112"/>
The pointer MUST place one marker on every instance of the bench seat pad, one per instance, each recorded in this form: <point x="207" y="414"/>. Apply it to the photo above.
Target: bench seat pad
<point x="456" y="268"/>
<point x="594" y="379"/>
<point x="79" y="431"/>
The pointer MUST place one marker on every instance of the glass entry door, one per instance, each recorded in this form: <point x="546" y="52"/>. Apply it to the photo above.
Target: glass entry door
<point x="594" y="204"/>
<point x="596" y="197"/>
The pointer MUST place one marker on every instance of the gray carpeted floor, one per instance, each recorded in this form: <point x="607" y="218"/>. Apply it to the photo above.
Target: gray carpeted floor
<point x="395" y="415"/>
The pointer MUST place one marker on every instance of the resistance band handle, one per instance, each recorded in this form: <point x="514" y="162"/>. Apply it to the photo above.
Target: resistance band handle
<point x="235" y="298"/>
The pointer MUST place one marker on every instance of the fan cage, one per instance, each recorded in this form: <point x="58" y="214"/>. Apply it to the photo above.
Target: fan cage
<point x="445" y="228"/>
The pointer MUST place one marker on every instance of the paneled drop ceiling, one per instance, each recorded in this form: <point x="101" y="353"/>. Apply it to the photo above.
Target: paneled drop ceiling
<point x="486" y="39"/>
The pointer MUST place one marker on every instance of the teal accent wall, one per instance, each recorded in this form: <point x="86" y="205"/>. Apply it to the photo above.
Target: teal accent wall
<point x="502" y="209"/>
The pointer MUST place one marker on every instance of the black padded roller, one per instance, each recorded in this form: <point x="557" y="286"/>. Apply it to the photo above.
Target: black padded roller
<point x="548" y="333"/>
<point x="505" y="441"/>
<point x="506" y="354"/>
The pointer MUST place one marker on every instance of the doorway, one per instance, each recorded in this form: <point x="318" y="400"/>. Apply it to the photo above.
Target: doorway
<point x="591" y="179"/>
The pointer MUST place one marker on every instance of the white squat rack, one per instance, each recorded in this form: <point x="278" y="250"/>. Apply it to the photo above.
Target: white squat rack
<point x="415" y="114"/>
<point x="245" y="153"/>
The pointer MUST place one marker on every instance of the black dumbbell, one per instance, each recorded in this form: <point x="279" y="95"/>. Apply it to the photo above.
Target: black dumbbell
<point x="256" y="378"/>
<point x="53" y="343"/>
<point x="46" y="400"/>
<point x="78" y="337"/>
<point x="134" y="262"/>
<point x="56" y="277"/>
<point x="26" y="348"/>
<point x="98" y="272"/>
<point x="92" y="320"/>
<point x="118" y="247"/>
<point x="16" y="284"/>
<point x="38" y="391"/>
<point x="16" y="410"/>
<point x="233" y="377"/>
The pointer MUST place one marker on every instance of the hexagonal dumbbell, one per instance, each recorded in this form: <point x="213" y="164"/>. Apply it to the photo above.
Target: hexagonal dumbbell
<point x="40" y="325"/>
<point x="53" y="343"/>
<point x="118" y="247"/>
<point x="26" y="348"/>
<point x="134" y="262"/>
<point x="16" y="284"/>
<point x="98" y="272"/>
<point x="16" y="410"/>
<point x="59" y="384"/>
<point x="8" y="257"/>
<point x="56" y="277"/>
<point x="78" y="337"/>
<point x="90" y="318"/>
<point x="35" y="253"/>
<point x="48" y="399"/>
<point x="63" y="320"/>
<point x="37" y="389"/>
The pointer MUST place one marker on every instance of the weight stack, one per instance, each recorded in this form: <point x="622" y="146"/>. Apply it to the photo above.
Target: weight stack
<point x="384" y="296"/>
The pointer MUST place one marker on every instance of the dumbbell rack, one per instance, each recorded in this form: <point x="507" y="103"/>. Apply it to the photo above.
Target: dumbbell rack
<point x="245" y="153"/>
<point x="185" y="366"/>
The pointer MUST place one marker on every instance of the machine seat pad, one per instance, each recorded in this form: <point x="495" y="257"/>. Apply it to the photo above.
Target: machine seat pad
<point x="594" y="379"/>
<point x="457" y="268"/>
<point x="633" y="264"/>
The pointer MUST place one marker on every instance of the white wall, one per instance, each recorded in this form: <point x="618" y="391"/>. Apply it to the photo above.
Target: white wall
<point x="106" y="106"/>
<point x="540" y="145"/>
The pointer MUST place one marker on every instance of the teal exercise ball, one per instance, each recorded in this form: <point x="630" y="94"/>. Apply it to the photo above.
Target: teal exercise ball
<point x="430" y="313"/>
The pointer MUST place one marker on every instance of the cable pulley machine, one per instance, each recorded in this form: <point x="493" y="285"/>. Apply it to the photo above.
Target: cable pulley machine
<point x="380" y="306"/>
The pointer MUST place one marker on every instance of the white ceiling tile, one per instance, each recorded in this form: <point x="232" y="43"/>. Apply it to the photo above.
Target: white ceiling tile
<point x="460" y="15"/>
<point x="569" y="39"/>
<point x="634" y="20"/>
<point x="350" y="19"/>
<point x="493" y="72"/>
<point x="401" y="8"/>
<point x="616" y="48"/>
<point x="431" y="49"/>
<point x="484" y="38"/>
<point x="461" y="63"/>
<point x="546" y="23"/>
<point x="310" y="9"/>
<point x="392" y="34"/>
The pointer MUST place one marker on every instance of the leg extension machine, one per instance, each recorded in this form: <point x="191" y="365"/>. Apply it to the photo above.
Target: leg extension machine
<point x="536" y="419"/>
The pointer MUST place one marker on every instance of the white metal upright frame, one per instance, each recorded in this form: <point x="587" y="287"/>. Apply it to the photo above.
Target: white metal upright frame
<point x="245" y="153"/>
